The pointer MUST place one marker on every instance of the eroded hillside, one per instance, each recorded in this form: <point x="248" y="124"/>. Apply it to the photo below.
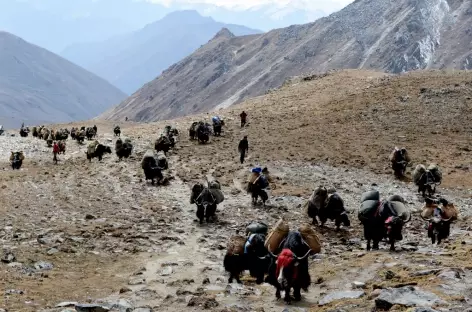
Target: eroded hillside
<point x="388" y="36"/>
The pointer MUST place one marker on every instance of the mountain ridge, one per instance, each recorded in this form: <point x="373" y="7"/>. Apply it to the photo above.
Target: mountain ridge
<point x="131" y="60"/>
<point x="376" y="35"/>
<point x="38" y="86"/>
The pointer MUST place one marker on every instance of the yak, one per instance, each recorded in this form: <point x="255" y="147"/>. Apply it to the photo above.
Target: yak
<point x="90" y="133"/>
<point x="192" y="131"/>
<point x="62" y="147"/>
<point x="289" y="269"/>
<point x="97" y="150"/>
<point x="327" y="206"/>
<point x="163" y="144"/>
<point x="117" y="131"/>
<point x="399" y="160"/>
<point x="123" y="149"/>
<point x="207" y="199"/>
<point x="383" y="219"/>
<point x="256" y="187"/>
<point x="203" y="133"/>
<point x="151" y="168"/>
<point x="16" y="159"/>
<point x="427" y="178"/>
<point x="439" y="218"/>
<point x="247" y="254"/>
<point x="24" y="132"/>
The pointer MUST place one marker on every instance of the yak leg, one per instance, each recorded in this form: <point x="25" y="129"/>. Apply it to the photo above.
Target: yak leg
<point x="200" y="213"/>
<point x="392" y="245"/>
<point x="375" y="245"/>
<point x="277" y="292"/>
<point x="296" y="293"/>
<point x="287" y="297"/>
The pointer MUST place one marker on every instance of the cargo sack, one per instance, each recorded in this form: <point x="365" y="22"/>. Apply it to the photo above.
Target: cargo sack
<point x="370" y="195"/>
<point x="418" y="173"/>
<point x="311" y="237"/>
<point x="219" y="197"/>
<point x="257" y="227"/>
<point x="277" y="235"/>
<point x="436" y="172"/>
<point x="236" y="245"/>
<point x="368" y="209"/>
<point x="401" y="210"/>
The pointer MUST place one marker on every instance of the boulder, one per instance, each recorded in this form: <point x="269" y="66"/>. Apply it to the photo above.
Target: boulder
<point x="406" y="296"/>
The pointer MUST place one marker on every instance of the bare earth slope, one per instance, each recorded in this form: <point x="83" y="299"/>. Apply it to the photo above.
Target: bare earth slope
<point x="37" y="86"/>
<point x="114" y="240"/>
<point x="391" y="36"/>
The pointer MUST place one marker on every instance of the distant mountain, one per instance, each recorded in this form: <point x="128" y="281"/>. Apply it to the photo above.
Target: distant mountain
<point x="38" y="86"/>
<point x="385" y="35"/>
<point x="129" y="61"/>
<point x="57" y="24"/>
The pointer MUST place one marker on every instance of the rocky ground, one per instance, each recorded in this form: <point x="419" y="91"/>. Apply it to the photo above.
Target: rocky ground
<point x="84" y="236"/>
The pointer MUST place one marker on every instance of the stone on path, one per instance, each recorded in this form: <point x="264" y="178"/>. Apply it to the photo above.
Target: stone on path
<point x="339" y="295"/>
<point x="406" y="296"/>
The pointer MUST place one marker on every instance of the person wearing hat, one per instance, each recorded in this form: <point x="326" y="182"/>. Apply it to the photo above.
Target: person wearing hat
<point x="243" y="148"/>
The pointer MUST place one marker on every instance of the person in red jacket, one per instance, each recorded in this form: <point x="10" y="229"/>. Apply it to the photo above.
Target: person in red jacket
<point x="55" y="151"/>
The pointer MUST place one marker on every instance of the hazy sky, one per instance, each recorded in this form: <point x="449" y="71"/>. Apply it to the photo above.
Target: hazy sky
<point x="326" y="5"/>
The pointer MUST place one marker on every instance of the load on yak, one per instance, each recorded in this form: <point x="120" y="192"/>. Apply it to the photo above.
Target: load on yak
<point x="327" y="205"/>
<point x="399" y="159"/>
<point x="248" y="253"/>
<point x="427" y="178"/>
<point x="152" y="169"/>
<point x="16" y="160"/>
<point x="258" y="184"/>
<point x="289" y="252"/>
<point x="163" y="143"/>
<point x="383" y="218"/>
<point x="439" y="213"/>
<point x="207" y="198"/>
<point x="218" y="124"/>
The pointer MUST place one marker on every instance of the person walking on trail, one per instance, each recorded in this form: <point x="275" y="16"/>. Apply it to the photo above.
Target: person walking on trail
<point x="243" y="116"/>
<point x="243" y="149"/>
<point x="55" y="151"/>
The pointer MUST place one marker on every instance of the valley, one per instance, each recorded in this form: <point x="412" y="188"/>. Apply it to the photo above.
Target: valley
<point x="97" y="233"/>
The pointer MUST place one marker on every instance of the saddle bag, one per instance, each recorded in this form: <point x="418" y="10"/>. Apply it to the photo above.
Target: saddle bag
<point x="276" y="236"/>
<point x="311" y="237"/>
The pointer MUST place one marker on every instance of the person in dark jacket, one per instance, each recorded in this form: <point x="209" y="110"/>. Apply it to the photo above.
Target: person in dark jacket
<point x="243" y="148"/>
<point x="243" y="116"/>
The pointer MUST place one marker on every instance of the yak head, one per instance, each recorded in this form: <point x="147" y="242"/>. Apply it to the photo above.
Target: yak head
<point x="255" y="246"/>
<point x="438" y="226"/>
<point x="343" y="219"/>
<point x="394" y="226"/>
<point x="287" y="266"/>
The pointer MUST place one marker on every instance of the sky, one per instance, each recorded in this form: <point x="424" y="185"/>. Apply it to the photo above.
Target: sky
<point x="327" y="6"/>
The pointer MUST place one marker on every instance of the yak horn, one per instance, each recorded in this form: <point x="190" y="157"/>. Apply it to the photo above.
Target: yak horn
<point x="263" y="258"/>
<point x="421" y="215"/>
<point x="409" y="219"/>
<point x="446" y="220"/>
<point x="306" y="255"/>
<point x="268" y="249"/>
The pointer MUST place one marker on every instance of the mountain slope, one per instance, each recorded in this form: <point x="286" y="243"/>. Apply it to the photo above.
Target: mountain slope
<point x="392" y="36"/>
<point x="39" y="86"/>
<point x="131" y="60"/>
